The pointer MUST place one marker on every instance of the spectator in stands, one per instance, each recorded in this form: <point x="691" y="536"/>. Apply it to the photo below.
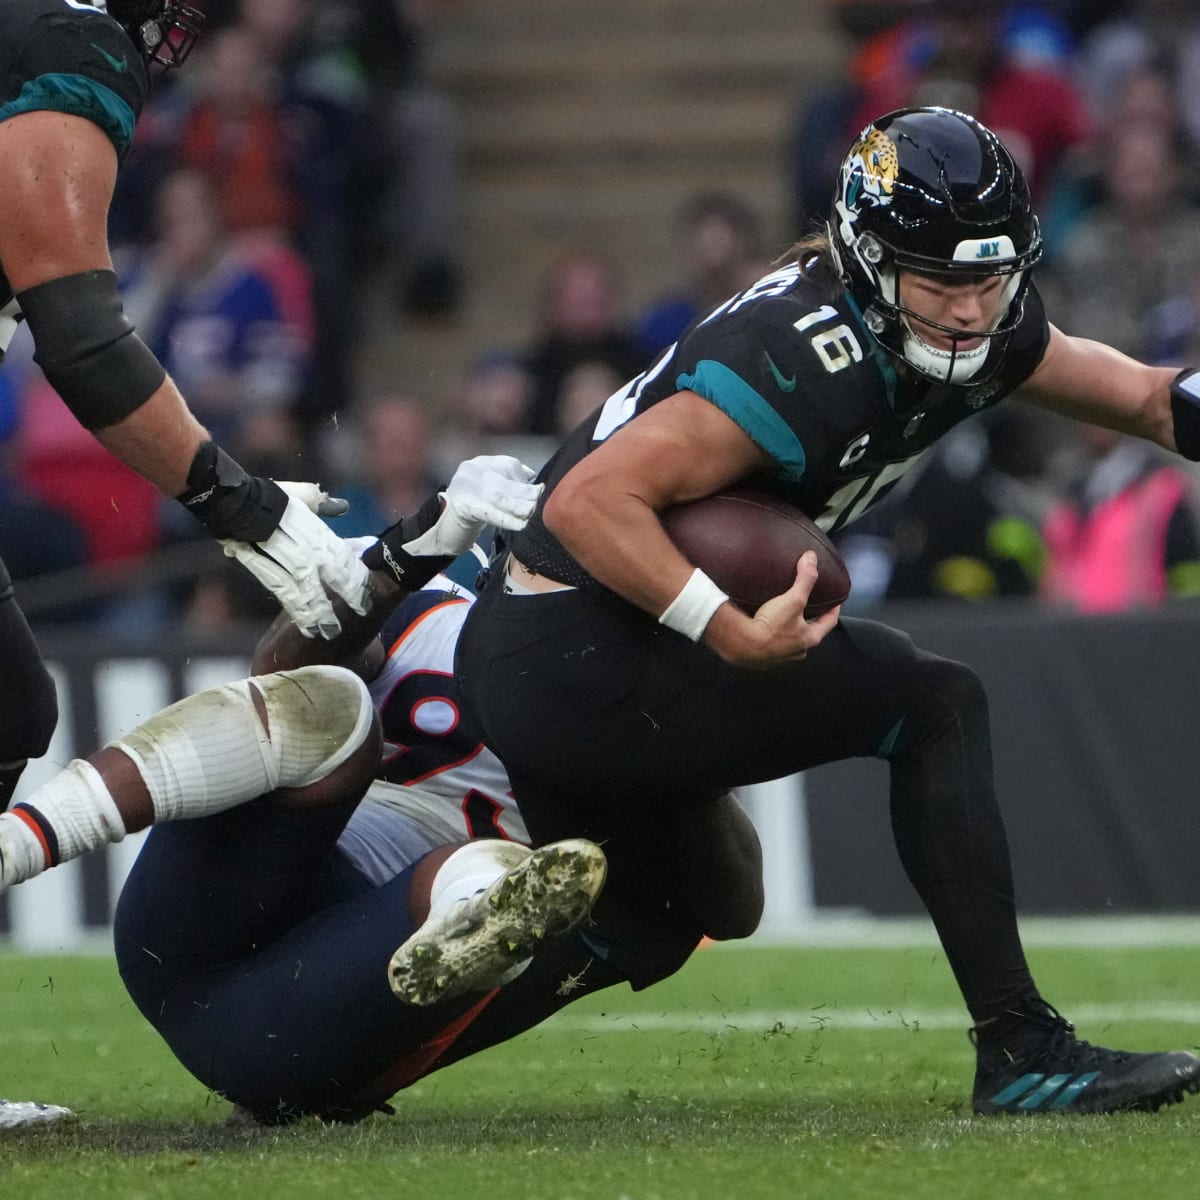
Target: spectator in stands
<point x="1125" y="533"/>
<point x="951" y="53"/>
<point x="580" y="320"/>
<point x="720" y="250"/>
<point x="36" y="537"/>
<point x="213" y="319"/>
<point x="394" y="469"/>
<point x="1161" y="35"/>
<point x="1128" y="267"/>
<point x="323" y="102"/>
<point x="585" y="387"/>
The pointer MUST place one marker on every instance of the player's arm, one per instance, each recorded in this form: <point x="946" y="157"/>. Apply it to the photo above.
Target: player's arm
<point x="605" y="512"/>
<point x="58" y="173"/>
<point x="486" y="490"/>
<point x="1093" y="382"/>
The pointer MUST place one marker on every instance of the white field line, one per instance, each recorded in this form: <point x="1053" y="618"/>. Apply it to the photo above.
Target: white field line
<point x="832" y="929"/>
<point x="759" y="1021"/>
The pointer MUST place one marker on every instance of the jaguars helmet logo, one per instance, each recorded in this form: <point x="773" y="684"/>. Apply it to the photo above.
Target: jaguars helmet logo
<point x="870" y="170"/>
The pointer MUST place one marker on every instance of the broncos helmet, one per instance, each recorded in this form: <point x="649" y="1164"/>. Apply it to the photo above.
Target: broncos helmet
<point x="932" y="190"/>
<point x="163" y="30"/>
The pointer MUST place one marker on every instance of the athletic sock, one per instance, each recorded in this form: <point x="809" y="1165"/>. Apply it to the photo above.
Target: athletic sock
<point x="68" y="816"/>
<point x="472" y="868"/>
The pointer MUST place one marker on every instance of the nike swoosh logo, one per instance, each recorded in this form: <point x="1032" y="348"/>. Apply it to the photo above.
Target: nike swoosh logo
<point x="117" y="64"/>
<point x="785" y="384"/>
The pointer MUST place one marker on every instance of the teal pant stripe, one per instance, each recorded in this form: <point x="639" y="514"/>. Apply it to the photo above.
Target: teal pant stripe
<point x="80" y="97"/>
<point x="889" y="743"/>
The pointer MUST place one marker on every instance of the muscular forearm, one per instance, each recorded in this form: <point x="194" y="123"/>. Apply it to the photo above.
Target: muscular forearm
<point x="158" y="440"/>
<point x="283" y="647"/>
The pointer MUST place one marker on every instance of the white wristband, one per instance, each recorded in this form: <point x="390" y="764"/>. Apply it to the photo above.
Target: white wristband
<point x="690" y="612"/>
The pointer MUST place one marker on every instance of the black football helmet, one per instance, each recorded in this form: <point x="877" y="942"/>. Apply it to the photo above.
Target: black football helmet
<point x="163" y="30"/>
<point x="933" y="191"/>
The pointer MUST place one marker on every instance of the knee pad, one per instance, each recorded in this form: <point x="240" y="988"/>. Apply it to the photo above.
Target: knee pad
<point x="211" y="751"/>
<point x="317" y="717"/>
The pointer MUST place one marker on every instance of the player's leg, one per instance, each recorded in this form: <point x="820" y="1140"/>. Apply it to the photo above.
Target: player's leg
<point x="28" y="705"/>
<point x="483" y="928"/>
<point x="28" y="715"/>
<point x="279" y="733"/>
<point x="661" y="713"/>
<point x="261" y="957"/>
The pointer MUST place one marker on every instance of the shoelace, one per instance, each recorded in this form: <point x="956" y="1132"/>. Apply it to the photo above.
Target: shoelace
<point x="1060" y="1044"/>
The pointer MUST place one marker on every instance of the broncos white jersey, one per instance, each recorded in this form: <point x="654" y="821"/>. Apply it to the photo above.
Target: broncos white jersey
<point x="438" y="783"/>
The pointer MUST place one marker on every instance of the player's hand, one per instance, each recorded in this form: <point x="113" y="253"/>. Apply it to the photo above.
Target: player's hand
<point x="491" y="489"/>
<point x="304" y="561"/>
<point x="778" y="632"/>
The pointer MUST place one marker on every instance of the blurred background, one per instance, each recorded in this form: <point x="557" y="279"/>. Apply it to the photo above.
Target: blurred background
<point x="372" y="237"/>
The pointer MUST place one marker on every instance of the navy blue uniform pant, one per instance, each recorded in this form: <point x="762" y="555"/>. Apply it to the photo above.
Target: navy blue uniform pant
<point x="260" y="956"/>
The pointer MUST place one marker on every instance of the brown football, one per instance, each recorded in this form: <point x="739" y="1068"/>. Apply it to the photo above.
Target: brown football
<point x="748" y="542"/>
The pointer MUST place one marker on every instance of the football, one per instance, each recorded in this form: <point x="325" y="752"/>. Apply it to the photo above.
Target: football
<point x="748" y="542"/>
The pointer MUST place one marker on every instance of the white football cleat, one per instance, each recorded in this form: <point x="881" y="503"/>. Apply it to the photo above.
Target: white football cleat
<point x="20" y="1114"/>
<point x="483" y="941"/>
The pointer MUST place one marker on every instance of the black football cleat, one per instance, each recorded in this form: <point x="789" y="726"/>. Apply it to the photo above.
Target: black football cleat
<point x="1030" y="1061"/>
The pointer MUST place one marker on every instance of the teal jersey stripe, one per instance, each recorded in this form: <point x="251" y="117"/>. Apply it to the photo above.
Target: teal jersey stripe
<point x="80" y="97"/>
<point x="742" y="404"/>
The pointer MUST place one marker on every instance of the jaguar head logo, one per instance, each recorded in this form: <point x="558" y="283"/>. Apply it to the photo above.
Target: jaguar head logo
<point x="870" y="169"/>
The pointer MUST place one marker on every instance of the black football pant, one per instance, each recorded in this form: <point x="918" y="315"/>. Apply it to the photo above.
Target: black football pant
<point x="28" y="704"/>
<point x="615" y="728"/>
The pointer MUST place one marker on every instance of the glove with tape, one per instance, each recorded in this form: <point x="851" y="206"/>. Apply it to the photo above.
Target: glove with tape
<point x="487" y="490"/>
<point x="302" y="557"/>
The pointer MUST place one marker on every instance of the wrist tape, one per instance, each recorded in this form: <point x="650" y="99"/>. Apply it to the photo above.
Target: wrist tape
<point x="410" y="571"/>
<point x="1185" y="412"/>
<point x="228" y="502"/>
<point x="690" y="612"/>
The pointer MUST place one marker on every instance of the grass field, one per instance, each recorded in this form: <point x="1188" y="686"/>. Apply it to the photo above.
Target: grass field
<point x="757" y="1072"/>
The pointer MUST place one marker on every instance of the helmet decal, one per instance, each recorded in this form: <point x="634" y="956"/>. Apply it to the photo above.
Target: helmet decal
<point x="870" y="169"/>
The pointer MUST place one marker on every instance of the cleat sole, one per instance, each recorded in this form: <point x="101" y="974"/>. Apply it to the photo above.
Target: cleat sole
<point x="483" y="939"/>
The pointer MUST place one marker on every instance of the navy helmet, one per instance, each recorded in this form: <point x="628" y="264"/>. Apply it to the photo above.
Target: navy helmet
<point x="932" y="190"/>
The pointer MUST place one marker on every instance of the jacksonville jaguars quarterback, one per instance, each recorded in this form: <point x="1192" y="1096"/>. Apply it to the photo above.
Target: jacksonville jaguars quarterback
<point x="619" y="686"/>
<point x="75" y="75"/>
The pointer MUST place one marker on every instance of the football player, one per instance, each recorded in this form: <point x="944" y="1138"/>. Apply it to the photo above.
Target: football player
<point x="76" y="73"/>
<point x="269" y="900"/>
<point x="621" y="689"/>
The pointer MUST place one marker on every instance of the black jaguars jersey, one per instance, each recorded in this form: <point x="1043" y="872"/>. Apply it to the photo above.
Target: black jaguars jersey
<point x="71" y="56"/>
<point x="791" y="361"/>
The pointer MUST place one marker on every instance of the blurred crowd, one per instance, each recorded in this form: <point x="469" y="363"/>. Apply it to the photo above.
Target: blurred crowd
<point x="305" y="159"/>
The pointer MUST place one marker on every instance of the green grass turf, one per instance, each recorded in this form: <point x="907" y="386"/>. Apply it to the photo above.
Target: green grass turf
<point x="761" y="1072"/>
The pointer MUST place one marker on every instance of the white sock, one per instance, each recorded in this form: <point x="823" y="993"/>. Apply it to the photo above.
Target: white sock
<point x="68" y="816"/>
<point x="473" y="867"/>
<point x="210" y="752"/>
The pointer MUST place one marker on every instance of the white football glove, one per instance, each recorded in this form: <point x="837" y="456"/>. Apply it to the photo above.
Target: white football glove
<point x="302" y="558"/>
<point x="491" y="489"/>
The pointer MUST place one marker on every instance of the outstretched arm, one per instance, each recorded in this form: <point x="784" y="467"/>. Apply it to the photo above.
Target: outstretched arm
<point x="487" y="490"/>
